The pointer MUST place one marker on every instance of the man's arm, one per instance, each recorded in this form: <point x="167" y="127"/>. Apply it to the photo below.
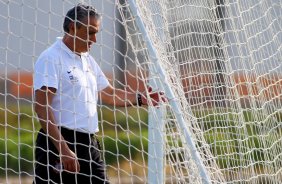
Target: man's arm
<point x="119" y="97"/>
<point x="43" y="98"/>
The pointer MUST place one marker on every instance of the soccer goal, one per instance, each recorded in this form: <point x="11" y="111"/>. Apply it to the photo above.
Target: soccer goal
<point x="219" y="63"/>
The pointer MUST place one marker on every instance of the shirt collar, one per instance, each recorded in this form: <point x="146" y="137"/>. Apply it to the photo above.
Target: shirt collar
<point x="67" y="50"/>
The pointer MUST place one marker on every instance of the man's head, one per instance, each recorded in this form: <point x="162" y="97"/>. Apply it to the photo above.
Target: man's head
<point x="81" y="24"/>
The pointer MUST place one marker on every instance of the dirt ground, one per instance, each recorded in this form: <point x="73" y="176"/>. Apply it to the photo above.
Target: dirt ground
<point x="16" y="180"/>
<point x="28" y="180"/>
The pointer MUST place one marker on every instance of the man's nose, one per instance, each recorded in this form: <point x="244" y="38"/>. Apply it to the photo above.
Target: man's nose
<point x="93" y="38"/>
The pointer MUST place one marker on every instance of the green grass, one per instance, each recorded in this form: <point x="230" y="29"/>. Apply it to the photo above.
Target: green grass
<point x="16" y="138"/>
<point x="123" y="134"/>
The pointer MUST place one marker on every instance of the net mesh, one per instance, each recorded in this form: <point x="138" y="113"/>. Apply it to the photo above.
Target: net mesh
<point x="221" y="59"/>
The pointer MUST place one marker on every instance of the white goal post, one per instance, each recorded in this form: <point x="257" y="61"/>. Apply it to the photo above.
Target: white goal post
<point x="219" y="63"/>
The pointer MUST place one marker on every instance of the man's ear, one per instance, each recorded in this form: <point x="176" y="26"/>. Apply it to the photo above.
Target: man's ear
<point x="71" y="27"/>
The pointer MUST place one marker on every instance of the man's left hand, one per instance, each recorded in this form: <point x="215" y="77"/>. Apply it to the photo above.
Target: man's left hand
<point x="155" y="97"/>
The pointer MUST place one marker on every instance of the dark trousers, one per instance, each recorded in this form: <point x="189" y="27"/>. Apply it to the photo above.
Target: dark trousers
<point x="87" y="149"/>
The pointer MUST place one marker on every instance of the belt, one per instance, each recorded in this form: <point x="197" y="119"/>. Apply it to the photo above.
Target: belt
<point x="78" y="134"/>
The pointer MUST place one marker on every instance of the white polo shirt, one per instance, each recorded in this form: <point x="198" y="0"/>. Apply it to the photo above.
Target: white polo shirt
<point x="77" y="80"/>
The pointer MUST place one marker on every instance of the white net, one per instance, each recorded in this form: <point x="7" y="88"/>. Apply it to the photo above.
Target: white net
<point x="220" y="58"/>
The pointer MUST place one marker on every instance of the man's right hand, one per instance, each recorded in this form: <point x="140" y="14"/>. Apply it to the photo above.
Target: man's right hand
<point x="69" y="160"/>
<point x="44" y="97"/>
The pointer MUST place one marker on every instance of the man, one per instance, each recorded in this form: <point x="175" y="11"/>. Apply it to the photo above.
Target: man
<point x="66" y="84"/>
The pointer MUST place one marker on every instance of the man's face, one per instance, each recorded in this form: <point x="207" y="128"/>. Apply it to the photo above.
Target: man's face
<point x="85" y="34"/>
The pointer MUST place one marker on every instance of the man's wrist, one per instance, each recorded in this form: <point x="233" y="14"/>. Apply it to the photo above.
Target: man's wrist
<point x="139" y="99"/>
<point x="63" y="149"/>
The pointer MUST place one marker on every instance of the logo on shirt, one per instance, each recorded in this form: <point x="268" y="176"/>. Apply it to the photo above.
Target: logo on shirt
<point x="72" y="78"/>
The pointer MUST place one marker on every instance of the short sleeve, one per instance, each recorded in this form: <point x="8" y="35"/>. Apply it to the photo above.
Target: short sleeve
<point x="45" y="72"/>
<point x="102" y="81"/>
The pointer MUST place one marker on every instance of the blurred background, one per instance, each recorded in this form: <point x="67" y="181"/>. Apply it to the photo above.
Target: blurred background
<point x="243" y="48"/>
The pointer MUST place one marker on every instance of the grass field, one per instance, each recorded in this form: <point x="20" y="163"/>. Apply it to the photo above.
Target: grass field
<point x="125" y="137"/>
<point x="17" y="138"/>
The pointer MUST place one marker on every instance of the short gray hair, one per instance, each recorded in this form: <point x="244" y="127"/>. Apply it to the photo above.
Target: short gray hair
<point x="78" y="13"/>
